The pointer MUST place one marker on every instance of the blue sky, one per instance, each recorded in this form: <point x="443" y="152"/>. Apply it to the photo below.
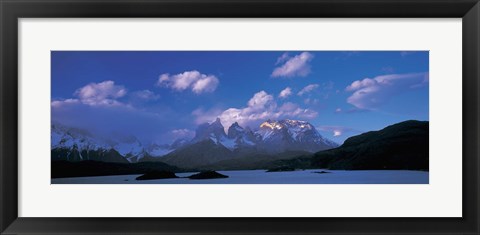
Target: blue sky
<point x="160" y="96"/>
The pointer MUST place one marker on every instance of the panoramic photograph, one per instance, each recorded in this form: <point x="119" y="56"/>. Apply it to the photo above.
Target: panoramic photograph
<point x="239" y="117"/>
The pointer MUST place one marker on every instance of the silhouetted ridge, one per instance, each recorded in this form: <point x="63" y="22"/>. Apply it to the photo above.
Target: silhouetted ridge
<point x="402" y="146"/>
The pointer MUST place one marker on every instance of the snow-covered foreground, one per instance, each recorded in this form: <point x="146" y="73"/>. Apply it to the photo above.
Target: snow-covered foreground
<point x="262" y="177"/>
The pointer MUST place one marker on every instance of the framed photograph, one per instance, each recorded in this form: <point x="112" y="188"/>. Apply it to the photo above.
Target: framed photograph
<point x="239" y="117"/>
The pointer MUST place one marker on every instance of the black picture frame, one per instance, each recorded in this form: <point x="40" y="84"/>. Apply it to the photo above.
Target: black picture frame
<point x="12" y="10"/>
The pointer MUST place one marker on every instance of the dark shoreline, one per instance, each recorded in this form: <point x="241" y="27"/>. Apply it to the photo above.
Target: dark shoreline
<point x="65" y="169"/>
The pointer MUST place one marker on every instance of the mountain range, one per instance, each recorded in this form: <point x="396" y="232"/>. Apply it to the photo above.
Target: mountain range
<point x="210" y="144"/>
<point x="401" y="146"/>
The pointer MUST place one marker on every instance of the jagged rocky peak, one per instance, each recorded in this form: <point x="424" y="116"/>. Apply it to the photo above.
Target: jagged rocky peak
<point x="292" y="135"/>
<point x="214" y="131"/>
<point x="298" y="124"/>
<point x="235" y="130"/>
<point x="216" y="124"/>
<point x="68" y="137"/>
<point x="286" y="123"/>
<point x="242" y="137"/>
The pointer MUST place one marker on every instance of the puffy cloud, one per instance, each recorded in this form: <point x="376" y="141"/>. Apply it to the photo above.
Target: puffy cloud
<point x="308" y="89"/>
<point x="285" y="93"/>
<point x="260" y="100"/>
<point x="282" y="58"/>
<point x="145" y="95"/>
<point x="260" y="107"/>
<point x="100" y="93"/>
<point x="60" y="103"/>
<point x="180" y="81"/>
<point x="360" y="84"/>
<point x="104" y="93"/>
<point x="371" y="93"/>
<point x="294" y="66"/>
<point x="163" y="78"/>
<point x="206" y="84"/>
<point x="194" y="80"/>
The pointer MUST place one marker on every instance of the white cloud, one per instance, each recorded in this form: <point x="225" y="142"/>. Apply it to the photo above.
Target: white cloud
<point x="260" y="100"/>
<point x="146" y="95"/>
<point x="308" y="89"/>
<point x="163" y="78"/>
<point x="371" y="93"/>
<point x="294" y="66"/>
<point x="104" y="93"/>
<point x="361" y="84"/>
<point x="260" y="107"/>
<point x="284" y="57"/>
<point x="60" y="103"/>
<point x="205" y="84"/>
<point x="194" y="80"/>
<point x="285" y="93"/>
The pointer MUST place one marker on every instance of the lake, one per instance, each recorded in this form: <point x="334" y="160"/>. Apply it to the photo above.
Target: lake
<point x="262" y="177"/>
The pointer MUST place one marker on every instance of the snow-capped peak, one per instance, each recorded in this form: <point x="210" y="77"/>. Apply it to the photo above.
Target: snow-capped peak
<point x="63" y="137"/>
<point x="271" y="125"/>
<point x="235" y="130"/>
<point x="272" y="136"/>
<point x="297" y="124"/>
<point x="214" y="131"/>
<point x="299" y="135"/>
<point x="66" y="137"/>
